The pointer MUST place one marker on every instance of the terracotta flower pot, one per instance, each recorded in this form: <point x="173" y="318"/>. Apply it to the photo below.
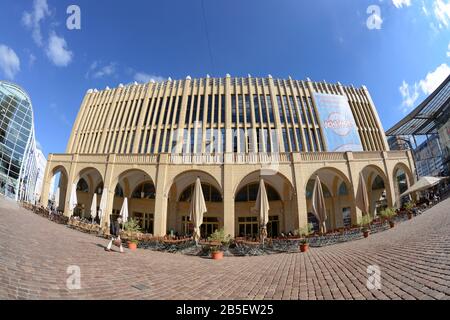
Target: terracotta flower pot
<point x="410" y="216"/>
<point x="217" y="255"/>
<point x="304" y="247"/>
<point x="366" y="234"/>
<point x="391" y="224"/>
<point x="132" y="245"/>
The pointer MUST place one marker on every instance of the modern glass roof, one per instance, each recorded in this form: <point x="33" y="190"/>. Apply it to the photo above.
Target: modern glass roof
<point x="428" y="116"/>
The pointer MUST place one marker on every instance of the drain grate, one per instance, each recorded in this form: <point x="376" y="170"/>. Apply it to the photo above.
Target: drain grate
<point x="140" y="286"/>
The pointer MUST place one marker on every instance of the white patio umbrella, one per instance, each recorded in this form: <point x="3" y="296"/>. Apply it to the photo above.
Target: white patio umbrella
<point x="94" y="207"/>
<point x="318" y="204"/>
<point x="362" y="198"/>
<point x="422" y="184"/>
<point x="124" y="210"/>
<point x="73" y="202"/>
<point x="262" y="207"/>
<point x="197" y="208"/>
<point x="102" y="206"/>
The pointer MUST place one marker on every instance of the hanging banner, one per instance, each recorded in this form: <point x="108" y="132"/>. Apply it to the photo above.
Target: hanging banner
<point x="338" y="123"/>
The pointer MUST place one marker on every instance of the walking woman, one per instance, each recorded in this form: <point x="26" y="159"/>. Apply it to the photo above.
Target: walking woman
<point x="115" y="235"/>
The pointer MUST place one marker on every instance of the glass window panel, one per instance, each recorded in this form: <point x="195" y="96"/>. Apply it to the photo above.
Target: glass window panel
<point x="308" y="142"/>
<point x="270" y="109"/>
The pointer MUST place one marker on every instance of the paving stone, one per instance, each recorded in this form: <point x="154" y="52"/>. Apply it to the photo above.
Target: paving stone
<point x="414" y="260"/>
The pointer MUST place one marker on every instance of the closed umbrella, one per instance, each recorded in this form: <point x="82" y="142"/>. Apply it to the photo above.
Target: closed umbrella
<point x="362" y="198"/>
<point x="102" y="206"/>
<point x="197" y="208"/>
<point x="318" y="204"/>
<point x="73" y="202"/>
<point x="124" y="210"/>
<point x="262" y="207"/>
<point x="422" y="184"/>
<point x="94" y="207"/>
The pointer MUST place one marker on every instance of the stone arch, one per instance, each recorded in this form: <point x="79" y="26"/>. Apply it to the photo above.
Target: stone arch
<point x="282" y="213"/>
<point x="59" y="167"/>
<point x="120" y="179"/>
<point x="379" y="198"/>
<point x="190" y="176"/>
<point x="408" y="180"/>
<point x="92" y="175"/>
<point x="178" y="211"/>
<point x="142" y="209"/>
<point x="208" y="197"/>
<point x="406" y="169"/>
<point x="341" y="209"/>
<point x="93" y="178"/>
<point x="147" y="187"/>
<point x="63" y="183"/>
<point x="273" y="180"/>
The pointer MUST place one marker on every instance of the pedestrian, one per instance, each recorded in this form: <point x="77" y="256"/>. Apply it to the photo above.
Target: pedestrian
<point x="115" y="235"/>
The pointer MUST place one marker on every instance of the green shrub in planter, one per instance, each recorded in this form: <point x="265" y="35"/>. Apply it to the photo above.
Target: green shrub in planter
<point x="409" y="206"/>
<point x="131" y="227"/>
<point x="388" y="214"/>
<point x="364" y="223"/>
<point x="304" y="232"/>
<point x="219" y="238"/>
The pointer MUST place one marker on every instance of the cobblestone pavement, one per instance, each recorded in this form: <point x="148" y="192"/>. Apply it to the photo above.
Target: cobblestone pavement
<point x="414" y="260"/>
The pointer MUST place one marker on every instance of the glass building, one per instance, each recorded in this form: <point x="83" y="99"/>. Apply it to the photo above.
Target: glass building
<point x="17" y="143"/>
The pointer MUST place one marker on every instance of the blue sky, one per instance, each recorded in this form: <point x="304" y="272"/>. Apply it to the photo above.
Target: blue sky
<point x="401" y="62"/>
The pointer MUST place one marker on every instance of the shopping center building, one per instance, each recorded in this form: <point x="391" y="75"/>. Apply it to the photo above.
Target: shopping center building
<point x="149" y="143"/>
<point x="18" y="166"/>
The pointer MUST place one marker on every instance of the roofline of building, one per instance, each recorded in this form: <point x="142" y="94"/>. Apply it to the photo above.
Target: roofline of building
<point x="418" y="109"/>
<point x="169" y="79"/>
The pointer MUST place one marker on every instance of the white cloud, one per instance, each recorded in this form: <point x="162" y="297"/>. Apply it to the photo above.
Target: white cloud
<point x="448" y="52"/>
<point x="410" y="93"/>
<point x="409" y="96"/>
<point x="33" y="19"/>
<point x="31" y="59"/>
<point x="57" y="51"/>
<point x="424" y="9"/>
<point x="401" y="3"/>
<point x="434" y="79"/>
<point x="145" y="77"/>
<point x="96" y="71"/>
<point x="9" y="62"/>
<point x="107" y="70"/>
<point x="441" y="10"/>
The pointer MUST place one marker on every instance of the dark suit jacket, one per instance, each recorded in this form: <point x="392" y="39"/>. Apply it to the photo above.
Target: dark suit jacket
<point x="115" y="229"/>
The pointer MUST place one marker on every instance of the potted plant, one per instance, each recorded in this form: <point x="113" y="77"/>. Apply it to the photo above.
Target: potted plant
<point x="409" y="206"/>
<point x="132" y="227"/>
<point x="388" y="214"/>
<point x="304" y="233"/>
<point x="217" y="240"/>
<point x="364" y="224"/>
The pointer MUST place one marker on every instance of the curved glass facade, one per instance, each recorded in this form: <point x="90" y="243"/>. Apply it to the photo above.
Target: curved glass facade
<point x="17" y="143"/>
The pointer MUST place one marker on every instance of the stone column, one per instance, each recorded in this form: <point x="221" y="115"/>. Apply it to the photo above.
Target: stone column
<point x="300" y="181"/>
<point x="160" y="221"/>
<point x="109" y="183"/>
<point x="353" y="173"/>
<point x="70" y="181"/>
<point x="390" y="193"/>
<point x="228" y="197"/>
